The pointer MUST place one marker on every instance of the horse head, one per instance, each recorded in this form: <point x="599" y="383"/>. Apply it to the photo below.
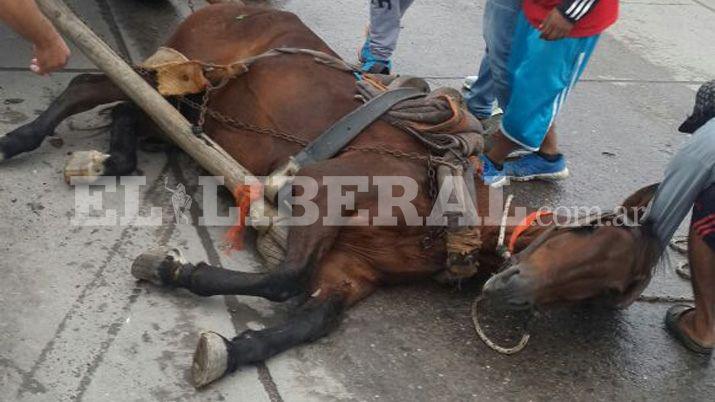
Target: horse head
<point x="606" y="258"/>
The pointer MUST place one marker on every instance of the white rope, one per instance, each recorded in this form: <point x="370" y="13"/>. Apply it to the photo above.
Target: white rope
<point x="502" y="228"/>
<point x="503" y="350"/>
<point x="504" y="253"/>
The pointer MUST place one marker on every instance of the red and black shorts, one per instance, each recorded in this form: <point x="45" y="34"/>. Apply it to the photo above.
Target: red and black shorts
<point x="704" y="216"/>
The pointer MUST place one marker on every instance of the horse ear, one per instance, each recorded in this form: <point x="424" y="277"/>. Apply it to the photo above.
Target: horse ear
<point x="636" y="204"/>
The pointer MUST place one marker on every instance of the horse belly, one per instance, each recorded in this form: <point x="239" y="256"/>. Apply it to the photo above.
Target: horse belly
<point x="396" y="256"/>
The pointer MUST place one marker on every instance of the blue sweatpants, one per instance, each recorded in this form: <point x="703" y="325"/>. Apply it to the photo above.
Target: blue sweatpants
<point x="541" y="73"/>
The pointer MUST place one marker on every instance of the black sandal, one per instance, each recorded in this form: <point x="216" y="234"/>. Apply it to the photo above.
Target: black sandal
<point x="672" y="317"/>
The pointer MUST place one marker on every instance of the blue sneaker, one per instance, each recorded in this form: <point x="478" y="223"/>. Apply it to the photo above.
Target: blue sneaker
<point x="377" y="67"/>
<point x="364" y="52"/>
<point x="369" y="63"/>
<point x="492" y="176"/>
<point x="534" y="166"/>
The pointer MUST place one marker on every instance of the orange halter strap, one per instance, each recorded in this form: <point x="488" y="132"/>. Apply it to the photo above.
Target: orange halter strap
<point x="524" y="226"/>
<point x="505" y="251"/>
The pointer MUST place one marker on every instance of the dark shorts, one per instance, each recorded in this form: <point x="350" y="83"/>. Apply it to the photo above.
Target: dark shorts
<point x="704" y="216"/>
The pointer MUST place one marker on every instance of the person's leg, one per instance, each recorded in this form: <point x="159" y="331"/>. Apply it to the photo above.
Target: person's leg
<point x="689" y="182"/>
<point x="500" y="17"/>
<point x="500" y="22"/>
<point x="502" y="145"/>
<point x="480" y="96"/>
<point x="699" y="324"/>
<point x="695" y="327"/>
<point x="542" y="74"/>
<point x="541" y="83"/>
<point x="550" y="146"/>
<point x="383" y="32"/>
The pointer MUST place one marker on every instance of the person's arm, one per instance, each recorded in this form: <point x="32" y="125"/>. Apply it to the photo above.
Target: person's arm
<point x="574" y="10"/>
<point x="560" y="21"/>
<point x="23" y="16"/>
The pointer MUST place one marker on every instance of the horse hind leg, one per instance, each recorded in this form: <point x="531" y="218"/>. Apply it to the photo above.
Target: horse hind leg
<point x="84" y="92"/>
<point x="216" y="356"/>
<point x="340" y="281"/>
<point x="120" y="160"/>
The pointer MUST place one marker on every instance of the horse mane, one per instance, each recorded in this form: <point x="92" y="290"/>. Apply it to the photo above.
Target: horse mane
<point x="651" y="253"/>
<point x="650" y="250"/>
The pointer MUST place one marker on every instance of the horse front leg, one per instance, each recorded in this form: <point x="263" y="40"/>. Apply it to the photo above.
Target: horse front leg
<point x="123" y="136"/>
<point x="84" y="92"/>
<point x="340" y="281"/>
<point x="167" y="267"/>
<point x="120" y="160"/>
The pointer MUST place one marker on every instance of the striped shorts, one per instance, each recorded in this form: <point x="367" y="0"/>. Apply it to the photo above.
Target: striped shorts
<point x="704" y="216"/>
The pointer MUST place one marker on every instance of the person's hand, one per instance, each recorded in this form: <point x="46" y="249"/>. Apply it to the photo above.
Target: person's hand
<point x="555" y="26"/>
<point x="50" y="56"/>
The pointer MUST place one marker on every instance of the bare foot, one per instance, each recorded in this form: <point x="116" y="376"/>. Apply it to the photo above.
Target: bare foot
<point x="703" y="336"/>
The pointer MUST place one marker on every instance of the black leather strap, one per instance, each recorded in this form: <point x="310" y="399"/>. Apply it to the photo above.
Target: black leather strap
<point x="346" y="129"/>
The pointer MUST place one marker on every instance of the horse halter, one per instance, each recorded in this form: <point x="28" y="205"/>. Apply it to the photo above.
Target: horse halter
<point x="506" y="253"/>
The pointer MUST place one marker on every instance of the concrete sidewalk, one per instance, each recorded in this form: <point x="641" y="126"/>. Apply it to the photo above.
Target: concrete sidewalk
<point x="75" y="325"/>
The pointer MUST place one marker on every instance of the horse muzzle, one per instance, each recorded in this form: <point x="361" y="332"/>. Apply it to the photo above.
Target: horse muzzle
<point x="511" y="288"/>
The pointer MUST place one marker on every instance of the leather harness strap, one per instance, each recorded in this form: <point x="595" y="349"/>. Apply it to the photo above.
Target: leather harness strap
<point x="351" y="125"/>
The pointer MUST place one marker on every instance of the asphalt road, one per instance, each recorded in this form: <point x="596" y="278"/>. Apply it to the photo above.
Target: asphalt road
<point x="74" y="325"/>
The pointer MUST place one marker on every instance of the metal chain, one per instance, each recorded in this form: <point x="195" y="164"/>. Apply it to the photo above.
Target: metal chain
<point x="231" y="122"/>
<point x="198" y="128"/>
<point x="431" y="179"/>
<point x="285" y="136"/>
<point x="428" y="240"/>
<point x="435" y="232"/>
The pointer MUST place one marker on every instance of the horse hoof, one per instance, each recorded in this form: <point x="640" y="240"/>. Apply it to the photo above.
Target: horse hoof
<point x="148" y="265"/>
<point x="85" y="167"/>
<point x="210" y="359"/>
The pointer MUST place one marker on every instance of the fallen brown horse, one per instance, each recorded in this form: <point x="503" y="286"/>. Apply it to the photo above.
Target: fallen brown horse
<point x="335" y="267"/>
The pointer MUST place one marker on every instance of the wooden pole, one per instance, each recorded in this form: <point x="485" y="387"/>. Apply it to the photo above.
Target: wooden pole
<point x="202" y="148"/>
